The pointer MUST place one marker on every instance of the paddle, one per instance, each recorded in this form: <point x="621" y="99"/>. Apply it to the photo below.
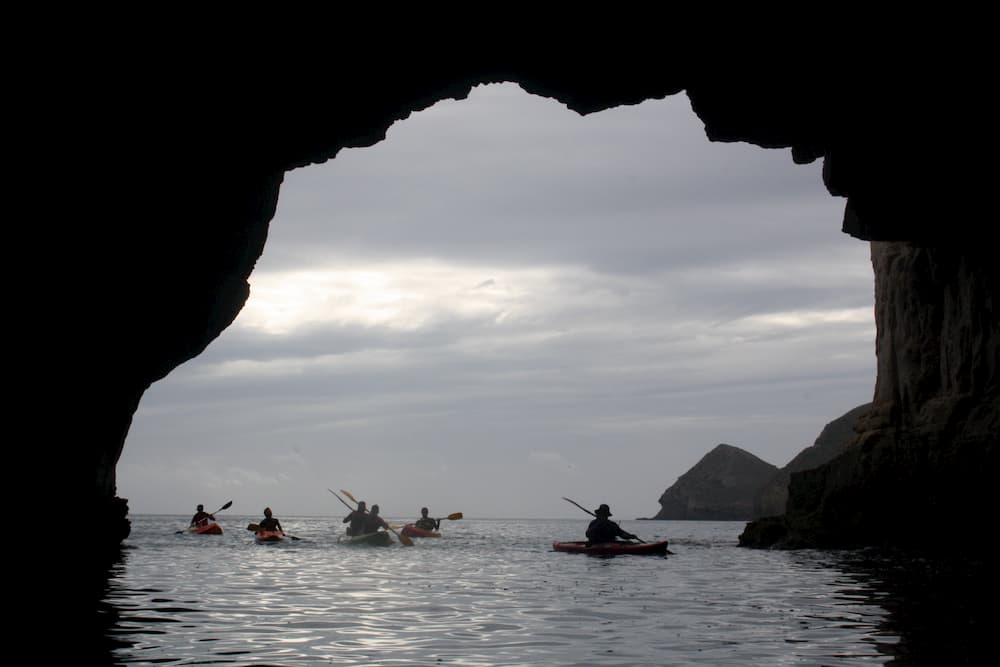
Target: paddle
<point x="454" y="516"/>
<point x="342" y="500"/>
<point x="451" y="517"/>
<point x="406" y="541"/>
<point x="594" y="515"/>
<point x="255" y="528"/>
<point x="224" y="507"/>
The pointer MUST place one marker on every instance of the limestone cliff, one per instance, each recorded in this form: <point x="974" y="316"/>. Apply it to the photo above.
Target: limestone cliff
<point x="832" y="441"/>
<point x="720" y="487"/>
<point x="925" y="459"/>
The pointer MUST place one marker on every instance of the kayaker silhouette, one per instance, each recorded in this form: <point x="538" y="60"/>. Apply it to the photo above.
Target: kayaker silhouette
<point x="269" y="522"/>
<point x="603" y="529"/>
<point x="357" y="520"/>
<point x="373" y="521"/>
<point x="201" y="517"/>
<point x="425" y="522"/>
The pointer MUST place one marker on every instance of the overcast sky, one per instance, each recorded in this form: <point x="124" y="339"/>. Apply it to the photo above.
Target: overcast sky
<point x="504" y="303"/>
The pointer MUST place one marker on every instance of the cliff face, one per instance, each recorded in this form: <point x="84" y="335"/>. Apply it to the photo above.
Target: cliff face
<point x="170" y="172"/>
<point x="832" y="441"/>
<point x="720" y="487"/>
<point x="926" y="453"/>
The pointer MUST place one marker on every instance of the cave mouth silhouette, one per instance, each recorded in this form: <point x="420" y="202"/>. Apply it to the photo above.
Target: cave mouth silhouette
<point x="198" y="155"/>
<point x="903" y="142"/>
<point x="760" y="192"/>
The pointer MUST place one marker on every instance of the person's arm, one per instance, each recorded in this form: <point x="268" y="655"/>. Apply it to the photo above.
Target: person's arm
<point x="624" y="533"/>
<point x="348" y="517"/>
<point x="437" y="524"/>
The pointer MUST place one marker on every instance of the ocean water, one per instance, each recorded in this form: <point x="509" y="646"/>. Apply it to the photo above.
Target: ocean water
<point x="492" y="592"/>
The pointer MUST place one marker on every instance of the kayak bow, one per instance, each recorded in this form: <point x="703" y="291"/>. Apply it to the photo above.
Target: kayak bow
<point x="211" y="528"/>
<point x="378" y="539"/>
<point x="263" y="536"/>
<point x="412" y="531"/>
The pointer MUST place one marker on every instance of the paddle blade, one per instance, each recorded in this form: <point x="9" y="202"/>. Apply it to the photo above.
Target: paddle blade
<point x="226" y="506"/>
<point x="405" y="539"/>
<point x="348" y="494"/>
<point x="454" y="517"/>
<point x="253" y="527"/>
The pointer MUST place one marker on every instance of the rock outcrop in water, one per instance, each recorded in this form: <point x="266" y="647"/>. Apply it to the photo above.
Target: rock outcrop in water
<point x="730" y="483"/>
<point x="169" y="171"/>
<point x="720" y="487"/>
<point x="770" y="500"/>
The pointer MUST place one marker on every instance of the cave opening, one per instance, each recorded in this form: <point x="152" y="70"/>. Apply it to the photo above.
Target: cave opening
<point x="506" y="295"/>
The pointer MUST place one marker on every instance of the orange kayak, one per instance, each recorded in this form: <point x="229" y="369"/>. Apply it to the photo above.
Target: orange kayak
<point x="208" y="529"/>
<point x="412" y="531"/>
<point x="262" y="536"/>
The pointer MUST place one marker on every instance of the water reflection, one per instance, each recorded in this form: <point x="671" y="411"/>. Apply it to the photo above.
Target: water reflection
<point x="495" y="594"/>
<point x="100" y="613"/>
<point x="940" y="607"/>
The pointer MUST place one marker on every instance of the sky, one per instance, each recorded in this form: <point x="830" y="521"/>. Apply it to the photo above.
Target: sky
<point x="506" y="303"/>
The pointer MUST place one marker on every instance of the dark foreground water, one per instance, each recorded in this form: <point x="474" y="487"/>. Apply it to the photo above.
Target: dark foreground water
<point x="492" y="592"/>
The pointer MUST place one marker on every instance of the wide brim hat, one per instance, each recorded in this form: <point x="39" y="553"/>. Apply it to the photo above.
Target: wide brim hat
<point x="603" y="509"/>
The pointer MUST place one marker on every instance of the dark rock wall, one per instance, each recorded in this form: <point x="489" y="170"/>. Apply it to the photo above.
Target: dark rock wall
<point x="938" y="346"/>
<point x="832" y="440"/>
<point x="925" y="459"/>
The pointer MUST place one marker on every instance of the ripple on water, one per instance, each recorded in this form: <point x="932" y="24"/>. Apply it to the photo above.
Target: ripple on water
<point x="487" y="593"/>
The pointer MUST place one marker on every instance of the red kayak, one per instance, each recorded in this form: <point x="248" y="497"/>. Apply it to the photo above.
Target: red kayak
<point x="613" y="548"/>
<point x="268" y="536"/>
<point x="412" y="531"/>
<point x="208" y="529"/>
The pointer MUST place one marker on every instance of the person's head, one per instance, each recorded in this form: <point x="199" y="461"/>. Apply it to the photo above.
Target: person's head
<point x="267" y="512"/>
<point x="423" y="511"/>
<point x="201" y="508"/>
<point x="603" y="511"/>
<point x="361" y="506"/>
<point x="374" y="509"/>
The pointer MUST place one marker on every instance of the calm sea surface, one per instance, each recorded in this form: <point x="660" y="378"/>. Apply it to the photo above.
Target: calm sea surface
<point x="490" y="592"/>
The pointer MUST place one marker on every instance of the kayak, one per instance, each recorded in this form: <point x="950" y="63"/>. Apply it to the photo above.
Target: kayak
<point x="262" y="536"/>
<point x="412" y="531"/>
<point x="612" y="548"/>
<point x="208" y="529"/>
<point x="379" y="539"/>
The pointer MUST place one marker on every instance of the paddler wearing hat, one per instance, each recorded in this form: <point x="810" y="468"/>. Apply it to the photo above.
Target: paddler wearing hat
<point x="603" y="529"/>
